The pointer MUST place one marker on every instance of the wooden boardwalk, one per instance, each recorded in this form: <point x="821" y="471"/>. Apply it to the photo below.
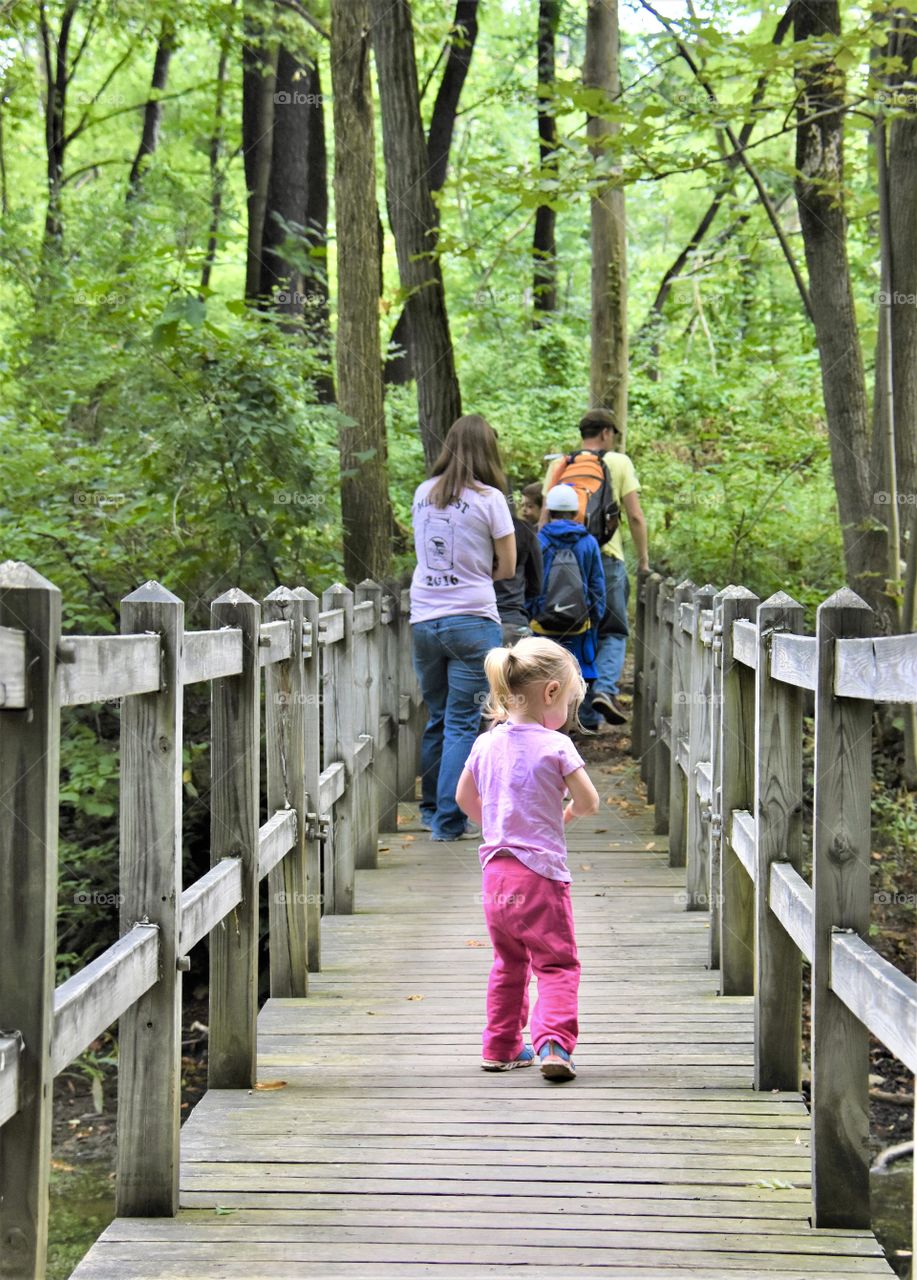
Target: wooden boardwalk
<point x="389" y="1152"/>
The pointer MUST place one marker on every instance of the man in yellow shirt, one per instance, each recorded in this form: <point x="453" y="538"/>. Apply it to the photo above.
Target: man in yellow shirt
<point x="600" y="434"/>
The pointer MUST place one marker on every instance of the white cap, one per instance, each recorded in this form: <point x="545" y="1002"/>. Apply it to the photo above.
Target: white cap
<point x="563" y="497"/>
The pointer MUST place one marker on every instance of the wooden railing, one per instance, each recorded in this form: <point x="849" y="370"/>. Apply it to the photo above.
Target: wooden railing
<point x="718" y="728"/>
<point x="342" y="717"/>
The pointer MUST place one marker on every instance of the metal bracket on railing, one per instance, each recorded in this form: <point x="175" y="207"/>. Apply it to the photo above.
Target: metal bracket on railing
<point x="706" y="813"/>
<point x="318" y="826"/>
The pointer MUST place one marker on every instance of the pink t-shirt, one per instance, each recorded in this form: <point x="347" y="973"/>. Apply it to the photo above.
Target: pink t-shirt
<point x="519" y="771"/>
<point x="455" y="553"/>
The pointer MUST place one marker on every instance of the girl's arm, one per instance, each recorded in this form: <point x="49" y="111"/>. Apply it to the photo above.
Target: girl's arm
<point x="504" y="557"/>
<point x="585" y="798"/>
<point x="467" y="797"/>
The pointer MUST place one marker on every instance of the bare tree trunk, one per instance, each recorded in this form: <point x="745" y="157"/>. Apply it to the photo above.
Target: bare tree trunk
<point x="152" y="112"/>
<point x="819" y="197"/>
<point x="215" y="155"/>
<point x="544" y="242"/>
<point x="902" y="188"/>
<point x="365" y="506"/>
<point x="399" y="366"/>
<point x="259" y="75"/>
<point x="608" y="378"/>
<point x="54" y="53"/>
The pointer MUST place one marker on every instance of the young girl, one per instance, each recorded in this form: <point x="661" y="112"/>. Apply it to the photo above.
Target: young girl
<point x="514" y="784"/>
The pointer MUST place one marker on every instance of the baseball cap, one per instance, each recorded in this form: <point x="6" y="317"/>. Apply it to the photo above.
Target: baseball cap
<point x="562" y="497"/>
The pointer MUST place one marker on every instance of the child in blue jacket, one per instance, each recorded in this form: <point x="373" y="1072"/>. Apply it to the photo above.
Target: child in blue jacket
<point x="564" y="530"/>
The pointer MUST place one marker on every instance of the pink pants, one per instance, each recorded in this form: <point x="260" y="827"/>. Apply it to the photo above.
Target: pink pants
<point x="530" y="922"/>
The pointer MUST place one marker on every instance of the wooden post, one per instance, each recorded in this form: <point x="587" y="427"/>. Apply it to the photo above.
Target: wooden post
<point x="734" y="787"/>
<point x="662" y="712"/>
<point x="408" y="741"/>
<point x="367" y="653"/>
<point x="337" y="702"/>
<point x="29" y="783"/>
<point x="638" y="711"/>
<point x="698" y="694"/>
<point x="840" y="883"/>
<point x="678" y="789"/>
<point x="149" y="1032"/>
<point x="389" y="705"/>
<point x="285" y="717"/>
<point x="312" y="767"/>
<point x="650" y="675"/>
<point x="778" y="825"/>
<point x="235" y="774"/>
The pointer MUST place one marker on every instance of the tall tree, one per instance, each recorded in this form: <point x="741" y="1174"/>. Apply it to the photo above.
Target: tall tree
<point x="57" y="78"/>
<point x="608" y="374"/>
<point x="365" y="505"/>
<point x="259" y="75"/>
<point x="399" y="365"/>
<point x="544" y="244"/>
<point x="215" y="160"/>
<point x="412" y="215"/>
<point x="152" y="111"/>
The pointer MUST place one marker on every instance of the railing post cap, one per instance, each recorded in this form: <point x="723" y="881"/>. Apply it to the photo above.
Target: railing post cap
<point x="779" y="600"/>
<point x="303" y="593"/>
<point x="280" y="595"/>
<point x="735" y="593"/>
<point x="845" y="598"/>
<point x="367" y="583"/>
<point x="235" y="595"/>
<point x="686" y="584"/>
<point x="151" y="592"/>
<point x="17" y="574"/>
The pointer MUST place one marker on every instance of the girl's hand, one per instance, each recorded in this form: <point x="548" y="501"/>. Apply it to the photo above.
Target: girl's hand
<point x="569" y="815"/>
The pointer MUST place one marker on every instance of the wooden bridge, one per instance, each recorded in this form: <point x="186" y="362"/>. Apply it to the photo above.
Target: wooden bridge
<point x="375" y="1145"/>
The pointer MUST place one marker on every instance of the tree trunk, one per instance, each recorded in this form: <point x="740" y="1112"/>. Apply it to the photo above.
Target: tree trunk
<point x="56" y="79"/>
<point x="399" y="366"/>
<point x="152" y="112"/>
<point x="217" y="176"/>
<point x="544" y="244"/>
<point x="365" y="506"/>
<point x="259" y="74"/>
<point x="823" y="220"/>
<point x="608" y="377"/>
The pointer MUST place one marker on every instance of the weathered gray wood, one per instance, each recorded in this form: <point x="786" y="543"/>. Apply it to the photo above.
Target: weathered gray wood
<point x="276" y="838"/>
<point x="275" y="642"/>
<point x="96" y="996"/>
<point x="332" y="784"/>
<point x="881" y="996"/>
<point x="105" y="668"/>
<point x="312" y="764"/>
<point x="703" y="781"/>
<point x="331" y="626"/>
<point x="149" y="1032"/>
<point x="745" y="643"/>
<point x="680" y="709"/>
<point x="840" y="880"/>
<point x="793" y="660"/>
<point x="339" y="742"/>
<point x="883" y="669"/>
<point x="662" y="711"/>
<point x="778" y="814"/>
<point x="744" y="841"/>
<point x="10" y="1051"/>
<point x="409" y="733"/>
<point x="29" y="767"/>
<point x="734" y="787"/>
<point x="210" y="654"/>
<point x="367" y="653"/>
<point x="12" y="667"/>
<point x="638" y="735"/>
<point x="791" y="901"/>
<point x="208" y="900"/>
<point x="643" y="742"/>
<point x="684" y="614"/>
<point x="389" y="672"/>
<point x="286" y="713"/>
<point x="701" y="893"/>
<point x="235" y="766"/>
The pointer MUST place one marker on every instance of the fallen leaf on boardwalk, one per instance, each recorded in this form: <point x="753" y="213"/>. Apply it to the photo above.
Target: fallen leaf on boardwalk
<point x="408" y="839"/>
<point x="221" y="1209"/>
<point x="413" y="997"/>
<point x="271" y="1084"/>
<point x="600" y="831"/>
<point x="371" y="1013"/>
<point x="60" y="1166"/>
<point x="651" y="845"/>
<point x="473" y="942"/>
<point x="585" y="866"/>
<point x="383" y="848"/>
<point x="615" y="844"/>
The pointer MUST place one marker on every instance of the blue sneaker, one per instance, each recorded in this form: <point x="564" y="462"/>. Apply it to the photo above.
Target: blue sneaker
<point x="525" y="1059"/>
<point x="556" y="1063"/>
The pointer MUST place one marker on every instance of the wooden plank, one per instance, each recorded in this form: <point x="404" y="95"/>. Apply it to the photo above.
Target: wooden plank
<point x="106" y="668"/>
<point x="642" y="742"/>
<point x="682" y="753"/>
<point x="29" y="782"/>
<point x="412" y="714"/>
<point x="733" y="783"/>
<point x="703" y="781"/>
<point x="235" y="770"/>
<point x="880" y="668"/>
<point x="662" y="710"/>
<point x="840" y="881"/>
<point x="207" y="655"/>
<point x="287" y="711"/>
<point x="331" y="785"/>
<point x="778" y="811"/>
<point x="389" y="697"/>
<point x="10" y="1050"/>
<point x="275" y="642"/>
<point x="745" y="642"/>
<point x="366" y="679"/>
<point x="149" y="1032"/>
<point x="744" y="841"/>
<point x="338" y="697"/>
<point x="276" y="838"/>
<point x="205" y="903"/>
<point x="362" y="754"/>
<point x="685" y="614"/>
<point x="331" y="626"/>
<point x="791" y="902"/>
<point x="883" y="998"/>
<point x="793" y="660"/>
<point x="12" y="668"/>
<point x="312" y="752"/>
<point x="364" y="615"/>
<point x="96" y="996"/>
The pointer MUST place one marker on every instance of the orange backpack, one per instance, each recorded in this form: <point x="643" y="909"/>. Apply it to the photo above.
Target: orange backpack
<point x="586" y="472"/>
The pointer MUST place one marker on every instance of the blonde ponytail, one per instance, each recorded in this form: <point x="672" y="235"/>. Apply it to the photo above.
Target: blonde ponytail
<point x="529" y="661"/>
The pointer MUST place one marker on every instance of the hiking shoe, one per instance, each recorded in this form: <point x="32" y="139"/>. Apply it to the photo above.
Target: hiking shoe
<point x="525" y="1059"/>
<point x="610" y="707"/>
<point x="472" y="832"/>
<point x="556" y="1063"/>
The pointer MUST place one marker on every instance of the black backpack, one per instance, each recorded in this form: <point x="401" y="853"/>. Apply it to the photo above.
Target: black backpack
<point x="565" y="610"/>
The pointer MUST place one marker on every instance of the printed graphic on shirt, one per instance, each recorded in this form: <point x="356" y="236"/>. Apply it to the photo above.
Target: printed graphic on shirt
<point x="439" y="543"/>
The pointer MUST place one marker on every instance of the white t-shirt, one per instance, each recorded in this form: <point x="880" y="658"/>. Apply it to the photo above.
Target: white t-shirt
<point x="455" y="552"/>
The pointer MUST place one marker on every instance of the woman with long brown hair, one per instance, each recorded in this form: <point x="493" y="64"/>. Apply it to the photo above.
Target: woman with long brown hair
<point x="464" y="540"/>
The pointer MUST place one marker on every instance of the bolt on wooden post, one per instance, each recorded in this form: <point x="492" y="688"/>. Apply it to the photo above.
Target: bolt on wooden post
<point x="28" y="913"/>
<point x="149" y="1032"/>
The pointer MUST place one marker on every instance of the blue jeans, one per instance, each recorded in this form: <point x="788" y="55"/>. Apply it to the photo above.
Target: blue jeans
<point x="449" y="661"/>
<point x="613" y="633"/>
